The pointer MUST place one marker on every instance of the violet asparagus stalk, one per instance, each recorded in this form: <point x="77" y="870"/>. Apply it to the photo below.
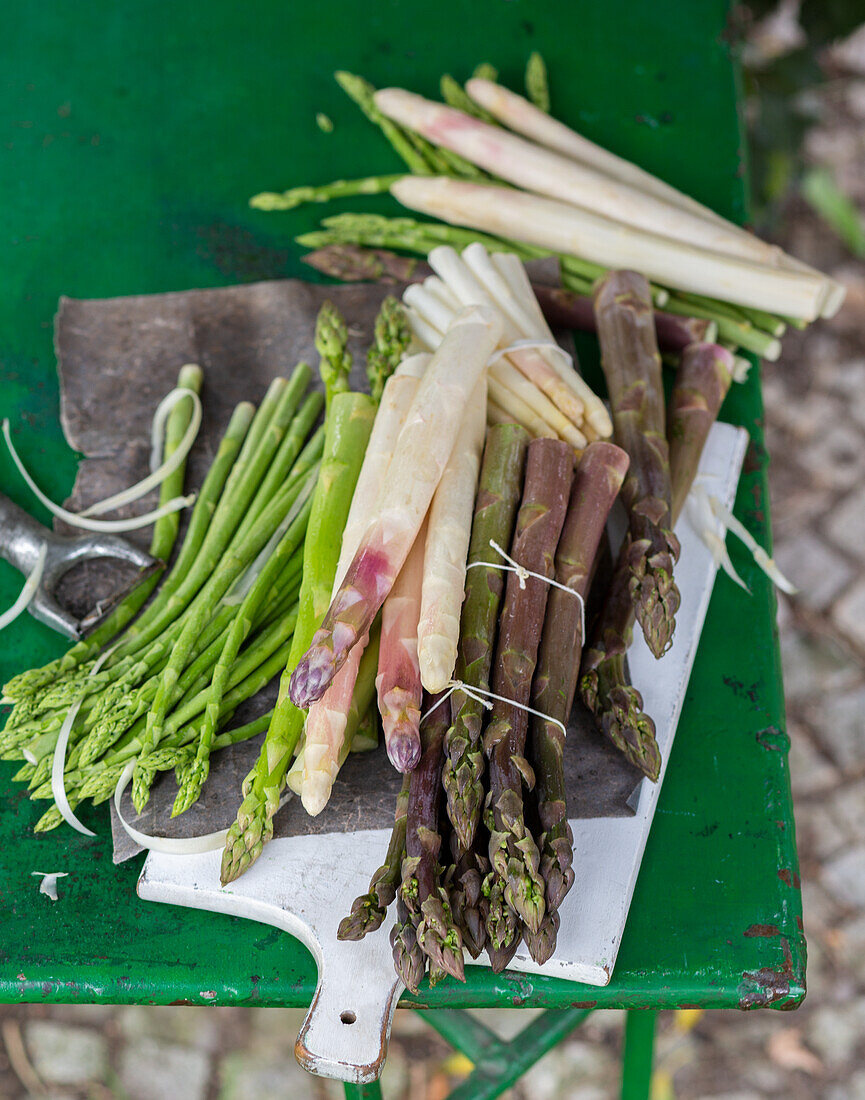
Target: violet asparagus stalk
<point x="499" y="489"/>
<point x="632" y="366"/>
<point x="596" y="485"/>
<point x="465" y="880"/>
<point x="513" y="851"/>
<point x="408" y="959"/>
<point x="368" y="911"/>
<point x="421" y="889"/>
<point x="701" y="384"/>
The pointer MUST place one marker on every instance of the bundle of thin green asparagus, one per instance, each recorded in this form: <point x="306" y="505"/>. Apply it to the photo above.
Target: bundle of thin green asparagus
<point x="221" y="625"/>
<point x="216" y="632"/>
<point x="498" y="169"/>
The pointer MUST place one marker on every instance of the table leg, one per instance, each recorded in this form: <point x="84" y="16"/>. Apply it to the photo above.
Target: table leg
<point x="499" y="1064"/>
<point x="372" y="1091"/>
<point x="637" y="1060"/>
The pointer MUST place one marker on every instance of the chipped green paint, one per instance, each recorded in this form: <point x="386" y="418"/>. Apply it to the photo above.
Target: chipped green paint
<point x="134" y="178"/>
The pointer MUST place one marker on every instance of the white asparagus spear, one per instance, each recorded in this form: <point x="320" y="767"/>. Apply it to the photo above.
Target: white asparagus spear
<point x="596" y="414"/>
<point x="537" y="366"/>
<point x="521" y="115"/>
<point x="432" y="310"/>
<point x="396" y="399"/>
<point x="563" y="228"/>
<point x="497" y="415"/>
<point x="518" y="410"/>
<point x="546" y="172"/>
<point x="398" y="684"/>
<point x="420" y="456"/>
<point x="327" y="718"/>
<point x="447" y="545"/>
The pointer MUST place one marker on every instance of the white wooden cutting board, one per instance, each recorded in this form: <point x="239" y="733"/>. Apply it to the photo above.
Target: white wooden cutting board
<point x="306" y="884"/>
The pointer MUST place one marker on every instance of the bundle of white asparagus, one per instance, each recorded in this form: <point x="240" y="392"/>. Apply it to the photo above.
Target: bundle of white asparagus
<point x="571" y="196"/>
<point x="405" y="544"/>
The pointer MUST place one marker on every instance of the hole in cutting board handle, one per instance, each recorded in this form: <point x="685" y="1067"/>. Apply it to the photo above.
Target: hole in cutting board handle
<point x="347" y="1017"/>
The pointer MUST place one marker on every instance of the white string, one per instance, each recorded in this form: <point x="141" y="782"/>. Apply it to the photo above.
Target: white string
<point x="483" y="697"/>
<point x="58" y="763"/>
<point x="530" y="344"/>
<point x="523" y="575"/>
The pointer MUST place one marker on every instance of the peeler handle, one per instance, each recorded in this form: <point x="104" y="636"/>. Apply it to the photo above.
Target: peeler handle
<point x="21" y="537"/>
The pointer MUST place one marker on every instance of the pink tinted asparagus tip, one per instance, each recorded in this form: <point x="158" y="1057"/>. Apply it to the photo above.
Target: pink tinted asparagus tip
<point x="403" y="750"/>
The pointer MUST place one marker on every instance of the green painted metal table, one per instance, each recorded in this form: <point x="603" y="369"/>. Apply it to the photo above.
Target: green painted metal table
<point x="131" y="136"/>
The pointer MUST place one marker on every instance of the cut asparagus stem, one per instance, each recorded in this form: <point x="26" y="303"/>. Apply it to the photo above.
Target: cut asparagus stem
<point x="430" y="431"/>
<point x="420" y="889"/>
<point x="368" y="910"/>
<point x="560" y="227"/>
<point x="499" y="490"/>
<point x="632" y="367"/>
<point x="596" y="485"/>
<point x="513" y="851"/>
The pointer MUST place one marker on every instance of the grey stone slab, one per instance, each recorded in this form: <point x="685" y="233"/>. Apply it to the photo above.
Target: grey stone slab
<point x="844" y="877"/>
<point x="65" y="1055"/>
<point x="242" y="1076"/>
<point x="839" y="722"/>
<point x="155" y="1070"/>
<point x="849" y="613"/>
<point x="845" y="524"/>
<point x="819" y="572"/>
<point x="816" y="664"/>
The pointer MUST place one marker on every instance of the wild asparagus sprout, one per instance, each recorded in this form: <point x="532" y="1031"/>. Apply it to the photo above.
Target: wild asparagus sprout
<point x="596" y="485"/>
<point x="499" y="490"/>
<point x="632" y="367"/>
<point x="513" y="851"/>
<point x="368" y="911"/>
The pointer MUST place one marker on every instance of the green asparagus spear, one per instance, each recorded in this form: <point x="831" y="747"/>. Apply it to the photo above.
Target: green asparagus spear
<point x="348" y="424"/>
<point x="537" y="84"/>
<point x="499" y="489"/>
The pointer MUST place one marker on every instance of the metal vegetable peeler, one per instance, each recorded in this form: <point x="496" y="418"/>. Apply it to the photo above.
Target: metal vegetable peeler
<point x="21" y="539"/>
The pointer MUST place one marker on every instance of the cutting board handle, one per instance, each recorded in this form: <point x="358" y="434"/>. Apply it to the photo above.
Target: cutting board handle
<point x="345" y="1033"/>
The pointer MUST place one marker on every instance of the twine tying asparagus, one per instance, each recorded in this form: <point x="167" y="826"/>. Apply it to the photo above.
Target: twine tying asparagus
<point x="530" y="344"/>
<point x="486" y="698"/>
<point x="523" y="575"/>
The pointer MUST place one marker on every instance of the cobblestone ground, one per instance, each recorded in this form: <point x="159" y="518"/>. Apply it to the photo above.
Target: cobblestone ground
<point x="815" y="413"/>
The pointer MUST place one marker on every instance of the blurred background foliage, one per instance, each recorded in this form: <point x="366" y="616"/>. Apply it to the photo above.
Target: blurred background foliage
<point x="788" y="64"/>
